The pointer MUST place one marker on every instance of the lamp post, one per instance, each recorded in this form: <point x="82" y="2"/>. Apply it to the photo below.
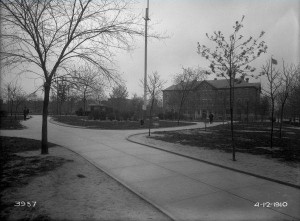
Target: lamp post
<point x="145" y="66"/>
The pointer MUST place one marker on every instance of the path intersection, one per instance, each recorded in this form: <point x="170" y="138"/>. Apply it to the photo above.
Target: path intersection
<point x="183" y="188"/>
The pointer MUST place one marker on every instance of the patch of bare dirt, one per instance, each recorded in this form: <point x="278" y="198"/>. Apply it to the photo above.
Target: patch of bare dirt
<point x="73" y="190"/>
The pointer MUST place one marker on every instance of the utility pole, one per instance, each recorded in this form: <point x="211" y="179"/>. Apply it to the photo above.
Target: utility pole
<point x="56" y="96"/>
<point x="145" y="67"/>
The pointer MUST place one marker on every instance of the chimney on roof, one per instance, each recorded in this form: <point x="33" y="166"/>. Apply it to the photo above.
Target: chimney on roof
<point x="215" y="79"/>
<point x="247" y="80"/>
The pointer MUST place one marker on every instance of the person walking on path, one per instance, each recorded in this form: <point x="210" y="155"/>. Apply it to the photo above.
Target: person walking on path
<point x="25" y="113"/>
<point x="211" y="118"/>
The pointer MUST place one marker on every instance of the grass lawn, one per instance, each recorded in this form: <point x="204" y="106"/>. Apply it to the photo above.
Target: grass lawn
<point x="11" y="123"/>
<point x="16" y="168"/>
<point x="112" y="125"/>
<point x="252" y="138"/>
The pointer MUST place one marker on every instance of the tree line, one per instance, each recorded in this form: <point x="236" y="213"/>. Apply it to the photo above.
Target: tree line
<point x="51" y="37"/>
<point x="70" y="46"/>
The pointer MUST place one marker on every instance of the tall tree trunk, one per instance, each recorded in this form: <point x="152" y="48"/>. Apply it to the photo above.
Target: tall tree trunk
<point x="16" y="113"/>
<point x="57" y="112"/>
<point x="84" y="101"/>
<point x="272" y="125"/>
<point x="11" y="107"/>
<point x="44" y="148"/>
<point x="150" y="117"/>
<point x="231" y="94"/>
<point x="281" y="119"/>
<point x="84" y="104"/>
<point x="178" y="119"/>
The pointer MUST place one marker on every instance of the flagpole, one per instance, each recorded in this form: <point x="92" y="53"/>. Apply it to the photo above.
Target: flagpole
<point x="145" y="65"/>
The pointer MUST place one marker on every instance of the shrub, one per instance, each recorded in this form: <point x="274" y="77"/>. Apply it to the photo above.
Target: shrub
<point x="125" y="115"/>
<point x="170" y="115"/>
<point x="79" y="112"/>
<point x="97" y="115"/>
<point x="161" y="116"/>
<point x="3" y="113"/>
<point x="110" y="116"/>
<point x="134" y="117"/>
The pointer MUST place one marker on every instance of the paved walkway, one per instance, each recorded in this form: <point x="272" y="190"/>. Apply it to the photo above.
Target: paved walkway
<point x="183" y="188"/>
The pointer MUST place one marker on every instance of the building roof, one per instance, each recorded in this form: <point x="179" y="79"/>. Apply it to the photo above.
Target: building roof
<point x="219" y="84"/>
<point x="224" y="83"/>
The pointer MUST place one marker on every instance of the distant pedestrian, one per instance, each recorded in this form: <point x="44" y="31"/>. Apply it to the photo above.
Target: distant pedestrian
<point x="25" y="113"/>
<point x="211" y="118"/>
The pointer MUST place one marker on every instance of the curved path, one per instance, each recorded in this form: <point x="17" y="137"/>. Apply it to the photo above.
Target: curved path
<point x="182" y="188"/>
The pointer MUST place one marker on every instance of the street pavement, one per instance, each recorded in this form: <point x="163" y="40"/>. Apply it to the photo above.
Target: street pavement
<point x="183" y="188"/>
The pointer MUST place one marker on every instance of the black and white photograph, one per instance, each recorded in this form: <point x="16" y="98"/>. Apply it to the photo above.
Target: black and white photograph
<point x="136" y="110"/>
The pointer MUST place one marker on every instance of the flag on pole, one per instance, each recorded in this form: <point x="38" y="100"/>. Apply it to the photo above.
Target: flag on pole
<point x="274" y="61"/>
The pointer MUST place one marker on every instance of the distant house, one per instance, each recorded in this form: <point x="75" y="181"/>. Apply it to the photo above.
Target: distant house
<point x="212" y="96"/>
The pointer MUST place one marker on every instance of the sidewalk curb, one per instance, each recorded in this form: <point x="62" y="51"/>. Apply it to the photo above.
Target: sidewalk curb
<point x="211" y="163"/>
<point x="65" y="125"/>
<point x="158" y="207"/>
<point x="52" y="121"/>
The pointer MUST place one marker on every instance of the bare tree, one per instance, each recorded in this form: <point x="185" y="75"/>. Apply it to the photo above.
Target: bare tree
<point x="172" y="101"/>
<point x="231" y="57"/>
<point x="272" y="91"/>
<point x="154" y="88"/>
<point x="15" y="97"/>
<point x="32" y="100"/>
<point x="73" y="98"/>
<point x="99" y="95"/>
<point x="87" y="82"/>
<point x="185" y="83"/>
<point x="293" y="104"/>
<point x="135" y="106"/>
<point x="60" y="88"/>
<point x="20" y="99"/>
<point x="52" y="35"/>
<point x="288" y="78"/>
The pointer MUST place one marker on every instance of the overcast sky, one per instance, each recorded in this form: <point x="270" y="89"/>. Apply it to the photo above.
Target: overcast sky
<point x="187" y="21"/>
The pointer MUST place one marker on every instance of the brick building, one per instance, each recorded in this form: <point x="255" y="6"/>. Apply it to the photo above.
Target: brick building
<point x="212" y="96"/>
